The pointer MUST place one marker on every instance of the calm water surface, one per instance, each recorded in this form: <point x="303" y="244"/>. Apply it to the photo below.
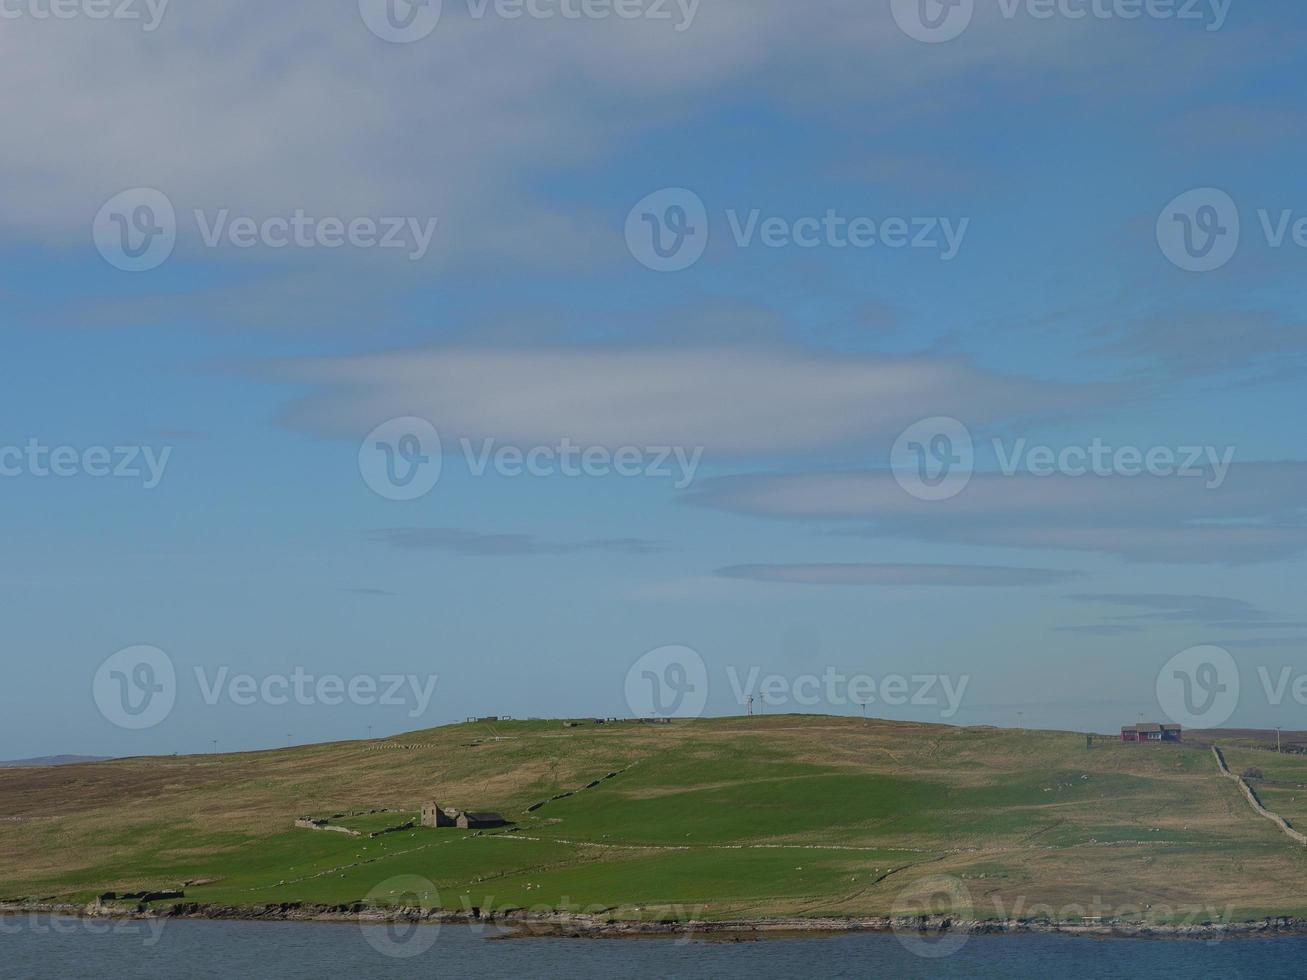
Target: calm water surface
<point x="41" y="947"/>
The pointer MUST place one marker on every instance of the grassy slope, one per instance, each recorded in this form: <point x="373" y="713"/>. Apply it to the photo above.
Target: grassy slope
<point x="720" y="818"/>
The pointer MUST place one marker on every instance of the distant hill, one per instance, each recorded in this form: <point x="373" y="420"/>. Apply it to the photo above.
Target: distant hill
<point x="52" y="760"/>
<point x="716" y="819"/>
<point x="1290" y="741"/>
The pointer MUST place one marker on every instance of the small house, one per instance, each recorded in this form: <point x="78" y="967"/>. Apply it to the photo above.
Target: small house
<point x="434" y="815"/>
<point x="1150" y="732"/>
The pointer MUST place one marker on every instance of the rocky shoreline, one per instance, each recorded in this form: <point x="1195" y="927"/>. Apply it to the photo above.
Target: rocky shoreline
<point x="583" y="926"/>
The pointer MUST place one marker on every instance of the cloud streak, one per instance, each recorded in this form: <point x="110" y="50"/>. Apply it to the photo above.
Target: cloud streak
<point x="890" y="574"/>
<point x="732" y="401"/>
<point x="462" y="542"/>
<point x="1256" y="515"/>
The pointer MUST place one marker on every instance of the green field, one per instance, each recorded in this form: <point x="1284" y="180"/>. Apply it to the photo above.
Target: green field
<point x="712" y="819"/>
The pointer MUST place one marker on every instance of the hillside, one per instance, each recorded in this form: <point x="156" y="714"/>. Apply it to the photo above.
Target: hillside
<point x="51" y="760"/>
<point x="716" y="819"/>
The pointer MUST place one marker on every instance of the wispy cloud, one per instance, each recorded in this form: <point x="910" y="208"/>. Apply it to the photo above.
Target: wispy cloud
<point x="1297" y="643"/>
<point x="1100" y="629"/>
<point x="871" y="574"/>
<point x="1256" y="515"/>
<point x="1158" y="609"/>
<point x="1205" y="609"/>
<point x="462" y="542"/>
<point x="1182" y="344"/>
<point x="733" y="401"/>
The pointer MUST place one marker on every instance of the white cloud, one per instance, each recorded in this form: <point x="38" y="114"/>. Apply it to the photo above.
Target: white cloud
<point x="731" y="401"/>
<point x="266" y="107"/>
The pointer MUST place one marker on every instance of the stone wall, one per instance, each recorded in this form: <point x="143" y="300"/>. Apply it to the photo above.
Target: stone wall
<point x="1254" y="802"/>
<point x="308" y="824"/>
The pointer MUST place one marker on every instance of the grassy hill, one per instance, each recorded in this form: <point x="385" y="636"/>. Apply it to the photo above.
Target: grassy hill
<point x="715" y="819"/>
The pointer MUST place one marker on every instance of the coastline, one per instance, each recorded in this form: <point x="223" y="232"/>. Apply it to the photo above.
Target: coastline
<point x="584" y="926"/>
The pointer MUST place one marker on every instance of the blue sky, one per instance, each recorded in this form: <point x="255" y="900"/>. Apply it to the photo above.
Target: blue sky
<point x="1060" y="320"/>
